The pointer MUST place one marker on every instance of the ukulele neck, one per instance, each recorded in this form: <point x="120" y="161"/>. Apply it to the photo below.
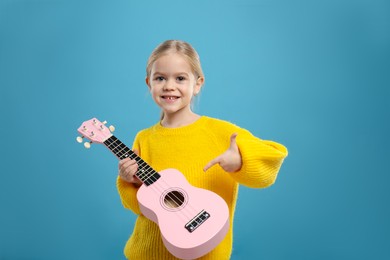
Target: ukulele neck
<point x="145" y="172"/>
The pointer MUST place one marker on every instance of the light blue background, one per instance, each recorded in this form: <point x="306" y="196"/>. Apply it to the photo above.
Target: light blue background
<point x="313" y="75"/>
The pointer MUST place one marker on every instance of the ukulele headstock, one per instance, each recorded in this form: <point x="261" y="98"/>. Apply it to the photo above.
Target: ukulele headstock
<point x="94" y="131"/>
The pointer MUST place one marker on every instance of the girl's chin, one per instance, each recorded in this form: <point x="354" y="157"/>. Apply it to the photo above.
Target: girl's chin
<point x="176" y="111"/>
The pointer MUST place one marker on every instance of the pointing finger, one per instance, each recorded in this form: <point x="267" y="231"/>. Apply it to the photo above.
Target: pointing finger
<point x="233" y="143"/>
<point x="211" y="163"/>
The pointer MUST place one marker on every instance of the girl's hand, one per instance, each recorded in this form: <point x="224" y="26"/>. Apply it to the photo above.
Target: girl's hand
<point x="127" y="170"/>
<point x="230" y="160"/>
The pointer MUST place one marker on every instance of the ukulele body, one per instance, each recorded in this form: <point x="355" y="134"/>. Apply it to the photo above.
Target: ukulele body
<point x="192" y="221"/>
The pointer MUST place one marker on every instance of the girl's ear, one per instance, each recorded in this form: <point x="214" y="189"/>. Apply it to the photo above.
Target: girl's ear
<point x="147" y="82"/>
<point x="198" y="85"/>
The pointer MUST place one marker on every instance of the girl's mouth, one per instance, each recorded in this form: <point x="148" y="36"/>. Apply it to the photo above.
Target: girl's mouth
<point x="170" y="97"/>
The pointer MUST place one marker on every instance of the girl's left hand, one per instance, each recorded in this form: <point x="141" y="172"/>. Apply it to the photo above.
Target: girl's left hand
<point x="230" y="160"/>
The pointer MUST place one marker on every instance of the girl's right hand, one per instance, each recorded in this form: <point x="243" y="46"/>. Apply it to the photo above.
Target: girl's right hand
<point x="127" y="170"/>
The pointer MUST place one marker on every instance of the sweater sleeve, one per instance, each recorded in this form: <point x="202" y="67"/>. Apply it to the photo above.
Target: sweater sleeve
<point x="261" y="160"/>
<point x="127" y="191"/>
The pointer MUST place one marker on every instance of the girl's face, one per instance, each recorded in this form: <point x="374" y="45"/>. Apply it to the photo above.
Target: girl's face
<point x="172" y="84"/>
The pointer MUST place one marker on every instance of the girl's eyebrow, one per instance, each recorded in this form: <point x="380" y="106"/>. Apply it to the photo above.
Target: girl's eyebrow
<point x="157" y="72"/>
<point x="180" y="73"/>
<point x="162" y="73"/>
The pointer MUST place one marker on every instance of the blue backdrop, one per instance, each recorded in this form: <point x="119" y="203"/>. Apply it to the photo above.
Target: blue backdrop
<point x="313" y="75"/>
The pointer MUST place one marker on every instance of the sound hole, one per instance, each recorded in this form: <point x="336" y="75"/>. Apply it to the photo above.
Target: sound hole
<point x="174" y="199"/>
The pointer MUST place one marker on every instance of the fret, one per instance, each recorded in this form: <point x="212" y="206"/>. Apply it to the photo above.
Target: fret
<point x="145" y="172"/>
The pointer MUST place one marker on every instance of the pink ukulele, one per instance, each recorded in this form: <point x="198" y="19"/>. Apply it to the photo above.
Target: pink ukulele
<point x="192" y="221"/>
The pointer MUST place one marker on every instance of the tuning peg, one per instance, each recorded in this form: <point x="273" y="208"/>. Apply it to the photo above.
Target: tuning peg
<point x="87" y="145"/>
<point x="79" y="139"/>
<point x="111" y="127"/>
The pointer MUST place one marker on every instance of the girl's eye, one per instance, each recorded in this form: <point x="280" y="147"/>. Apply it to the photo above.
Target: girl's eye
<point x="181" y="78"/>
<point x="159" y="78"/>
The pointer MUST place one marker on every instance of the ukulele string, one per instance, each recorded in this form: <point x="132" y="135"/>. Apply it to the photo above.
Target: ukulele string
<point x="148" y="171"/>
<point x="175" y="200"/>
<point x="156" y="188"/>
<point x="159" y="183"/>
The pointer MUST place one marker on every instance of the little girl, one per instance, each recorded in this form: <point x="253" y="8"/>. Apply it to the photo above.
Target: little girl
<point x="212" y="154"/>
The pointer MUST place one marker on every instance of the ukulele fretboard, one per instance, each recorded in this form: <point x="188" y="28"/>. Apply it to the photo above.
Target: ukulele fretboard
<point x="145" y="172"/>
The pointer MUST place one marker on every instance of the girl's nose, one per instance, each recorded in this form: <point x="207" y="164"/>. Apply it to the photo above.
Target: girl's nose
<point x="169" y="85"/>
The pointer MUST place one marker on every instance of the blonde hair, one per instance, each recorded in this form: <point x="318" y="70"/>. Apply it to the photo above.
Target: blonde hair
<point x="180" y="47"/>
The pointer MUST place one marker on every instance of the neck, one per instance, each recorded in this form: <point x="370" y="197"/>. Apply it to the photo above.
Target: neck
<point x="177" y="120"/>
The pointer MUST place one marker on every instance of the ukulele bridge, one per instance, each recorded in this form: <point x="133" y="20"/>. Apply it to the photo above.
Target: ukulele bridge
<point x="197" y="221"/>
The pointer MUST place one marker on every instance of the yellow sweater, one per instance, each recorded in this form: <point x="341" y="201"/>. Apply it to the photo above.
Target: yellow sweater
<point x="189" y="149"/>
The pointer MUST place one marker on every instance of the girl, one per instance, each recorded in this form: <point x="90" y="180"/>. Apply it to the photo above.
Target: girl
<point x="193" y="144"/>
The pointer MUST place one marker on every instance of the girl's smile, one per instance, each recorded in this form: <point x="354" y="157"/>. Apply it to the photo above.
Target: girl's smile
<point x="170" y="99"/>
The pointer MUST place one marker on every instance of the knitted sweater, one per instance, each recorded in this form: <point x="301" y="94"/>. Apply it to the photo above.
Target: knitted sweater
<point x="189" y="149"/>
